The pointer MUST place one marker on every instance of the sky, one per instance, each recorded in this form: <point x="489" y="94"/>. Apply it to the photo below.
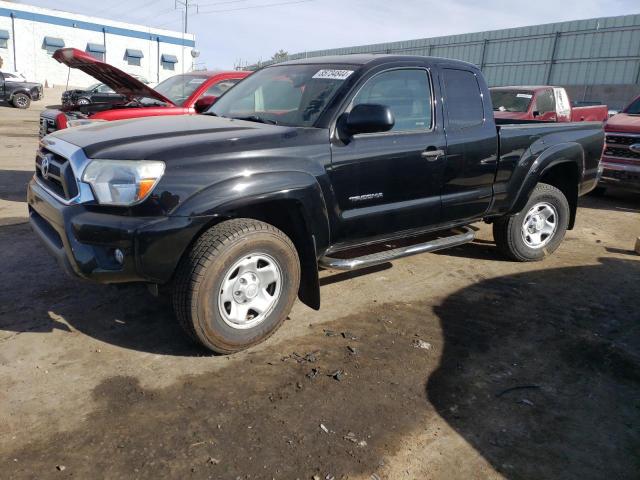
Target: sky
<point x="232" y="32"/>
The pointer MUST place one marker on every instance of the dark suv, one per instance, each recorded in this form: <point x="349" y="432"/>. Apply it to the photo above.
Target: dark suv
<point x="19" y="94"/>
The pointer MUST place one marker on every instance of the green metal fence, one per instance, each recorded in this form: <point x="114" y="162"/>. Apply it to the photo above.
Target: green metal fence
<point x="580" y="53"/>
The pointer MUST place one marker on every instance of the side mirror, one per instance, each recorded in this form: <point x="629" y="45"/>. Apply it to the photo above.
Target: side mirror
<point x="536" y="113"/>
<point x="369" y="118"/>
<point x="204" y="103"/>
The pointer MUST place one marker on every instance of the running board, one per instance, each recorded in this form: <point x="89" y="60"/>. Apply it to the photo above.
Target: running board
<point x="365" y="261"/>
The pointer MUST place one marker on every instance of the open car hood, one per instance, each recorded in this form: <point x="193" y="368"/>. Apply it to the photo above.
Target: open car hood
<point x="119" y="81"/>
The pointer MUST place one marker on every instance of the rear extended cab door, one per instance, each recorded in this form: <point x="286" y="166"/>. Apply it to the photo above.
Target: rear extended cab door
<point x="2" y="89"/>
<point x="472" y="144"/>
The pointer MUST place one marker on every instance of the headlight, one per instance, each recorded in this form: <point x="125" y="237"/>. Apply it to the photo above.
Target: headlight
<point x="82" y="121"/>
<point x="122" y="182"/>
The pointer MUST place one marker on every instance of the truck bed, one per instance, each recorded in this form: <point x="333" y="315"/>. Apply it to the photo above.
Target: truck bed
<point x="521" y="142"/>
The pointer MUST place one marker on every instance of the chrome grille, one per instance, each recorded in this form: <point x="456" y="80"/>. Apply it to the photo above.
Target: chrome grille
<point x="47" y="126"/>
<point x="55" y="174"/>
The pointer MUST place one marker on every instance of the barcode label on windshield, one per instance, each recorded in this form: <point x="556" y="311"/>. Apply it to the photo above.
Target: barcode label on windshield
<point x="333" y="74"/>
<point x="524" y="95"/>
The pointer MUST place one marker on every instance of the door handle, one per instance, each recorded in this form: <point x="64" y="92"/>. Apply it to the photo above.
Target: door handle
<point x="432" y="155"/>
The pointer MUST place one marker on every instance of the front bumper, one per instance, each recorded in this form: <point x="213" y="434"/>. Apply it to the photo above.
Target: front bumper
<point x="84" y="241"/>
<point x="621" y="175"/>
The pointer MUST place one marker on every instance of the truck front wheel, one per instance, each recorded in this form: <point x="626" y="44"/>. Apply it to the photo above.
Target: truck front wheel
<point x="538" y="229"/>
<point x="21" y="100"/>
<point x="236" y="285"/>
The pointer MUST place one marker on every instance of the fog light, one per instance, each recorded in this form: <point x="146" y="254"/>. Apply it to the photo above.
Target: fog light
<point x="119" y="256"/>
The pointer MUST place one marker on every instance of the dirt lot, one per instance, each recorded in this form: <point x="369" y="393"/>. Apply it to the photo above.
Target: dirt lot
<point x="532" y="370"/>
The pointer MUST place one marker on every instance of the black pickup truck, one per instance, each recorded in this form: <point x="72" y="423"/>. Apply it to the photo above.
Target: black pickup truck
<point x="303" y="165"/>
<point x="19" y="94"/>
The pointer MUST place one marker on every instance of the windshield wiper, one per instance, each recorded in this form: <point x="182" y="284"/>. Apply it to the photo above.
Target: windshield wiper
<point x="256" y="118"/>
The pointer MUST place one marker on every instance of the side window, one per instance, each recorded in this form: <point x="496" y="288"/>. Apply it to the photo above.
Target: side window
<point x="406" y="92"/>
<point x="104" y="89"/>
<point x="219" y="88"/>
<point x="546" y="102"/>
<point x="463" y="99"/>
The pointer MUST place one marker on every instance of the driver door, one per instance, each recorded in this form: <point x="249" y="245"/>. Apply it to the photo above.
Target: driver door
<point x="389" y="182"/>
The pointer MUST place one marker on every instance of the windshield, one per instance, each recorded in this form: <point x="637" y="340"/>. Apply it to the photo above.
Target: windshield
<point x="180" y="87"/>
<point x="292" y="95"/>
<point x="633" y="108"/>
<point x="511" y="100"/>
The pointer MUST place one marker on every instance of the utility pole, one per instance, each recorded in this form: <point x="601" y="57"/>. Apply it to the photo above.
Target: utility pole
<point x="186" y="4"/>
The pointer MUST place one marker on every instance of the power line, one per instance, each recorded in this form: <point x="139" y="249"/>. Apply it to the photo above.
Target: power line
<point x="206" y="12"/>
<point x="212" y="4"/>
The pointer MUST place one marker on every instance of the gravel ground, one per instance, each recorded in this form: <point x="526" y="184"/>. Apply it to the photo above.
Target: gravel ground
<point x="457" y="365"/>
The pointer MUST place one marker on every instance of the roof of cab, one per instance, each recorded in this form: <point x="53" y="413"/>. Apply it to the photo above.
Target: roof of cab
<point x="373" y="59"/>
<point x="524" y="87"/>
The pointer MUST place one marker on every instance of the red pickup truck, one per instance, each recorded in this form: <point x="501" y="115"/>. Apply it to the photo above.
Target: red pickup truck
<point x="621" y="158"/>
<point x="544" y="103"/>
<point x="184" y="94"/>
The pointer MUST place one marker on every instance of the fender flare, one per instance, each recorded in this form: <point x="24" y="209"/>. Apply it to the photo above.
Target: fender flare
<point x="19" y="90"/>
<point x="564" y="153"/>
<point x="229" y="198"/>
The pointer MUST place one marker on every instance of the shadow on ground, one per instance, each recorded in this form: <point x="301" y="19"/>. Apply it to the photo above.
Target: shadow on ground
<point x="538" y="371"/>
<point x="13" y="184"/>
<point x="615" y="199"/>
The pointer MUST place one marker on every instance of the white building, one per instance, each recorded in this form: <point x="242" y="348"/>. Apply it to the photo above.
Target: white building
<point x="29" y="36"/>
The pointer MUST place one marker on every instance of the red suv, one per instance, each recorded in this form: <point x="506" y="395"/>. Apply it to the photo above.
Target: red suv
<point x="189" y="93"/>
<point x="621" y="157"/>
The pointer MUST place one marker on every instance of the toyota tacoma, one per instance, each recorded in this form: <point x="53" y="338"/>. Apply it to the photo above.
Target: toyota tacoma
<point x="303" y="165"/>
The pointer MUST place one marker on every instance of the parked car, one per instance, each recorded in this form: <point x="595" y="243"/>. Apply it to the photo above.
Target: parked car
<point x="178" y="95"/>
<point x="19" y="94"/>
<point x="96" y="93"/>
<point x="621" y="156"/>
<point x="543" y="103"/>
<point x="234" y="210"/>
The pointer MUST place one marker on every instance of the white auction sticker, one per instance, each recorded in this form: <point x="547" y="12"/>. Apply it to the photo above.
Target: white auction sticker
<point x="524" y="95"/>
<point x="333" y="74"/>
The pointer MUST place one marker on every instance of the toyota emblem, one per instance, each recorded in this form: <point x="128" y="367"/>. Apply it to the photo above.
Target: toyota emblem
<point x="44" y="167"/>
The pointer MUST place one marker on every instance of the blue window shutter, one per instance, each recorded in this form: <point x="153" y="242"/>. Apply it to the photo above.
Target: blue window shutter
<point x="53" y="42"/>
<point x="169" y="58"/>
<point x="96" y="48"/>
<point x="133" y="53"/>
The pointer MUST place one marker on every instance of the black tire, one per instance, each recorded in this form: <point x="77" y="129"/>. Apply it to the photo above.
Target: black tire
<point x="198" y="282"/>
<point x="508" y="231"/>
<point x="21" y="101"/>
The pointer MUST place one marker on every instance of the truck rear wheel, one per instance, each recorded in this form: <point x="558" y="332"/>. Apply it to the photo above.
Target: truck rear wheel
<point x="236" y="285"/>
<point x="538" y="229"/>
<point x="21" y="100"/>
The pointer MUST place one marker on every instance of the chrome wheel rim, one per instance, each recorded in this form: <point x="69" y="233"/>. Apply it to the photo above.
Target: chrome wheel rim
<point x="21" y="101"/>
<point x="83" y="101"/>
<point x="250" y="290"/>
<point x="539" y="225"/>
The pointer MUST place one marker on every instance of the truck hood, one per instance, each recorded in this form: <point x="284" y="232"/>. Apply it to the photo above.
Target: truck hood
<point x="169" y="138"/>
<point x="623" y="122"/>
<point x="115" y="78"/>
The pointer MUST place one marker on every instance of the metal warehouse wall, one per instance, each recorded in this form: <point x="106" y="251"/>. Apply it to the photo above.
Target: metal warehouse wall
<point x="581" y="54"/>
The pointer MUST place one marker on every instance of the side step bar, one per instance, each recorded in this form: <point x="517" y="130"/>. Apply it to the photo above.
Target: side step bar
<point x="467" y="235"/>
